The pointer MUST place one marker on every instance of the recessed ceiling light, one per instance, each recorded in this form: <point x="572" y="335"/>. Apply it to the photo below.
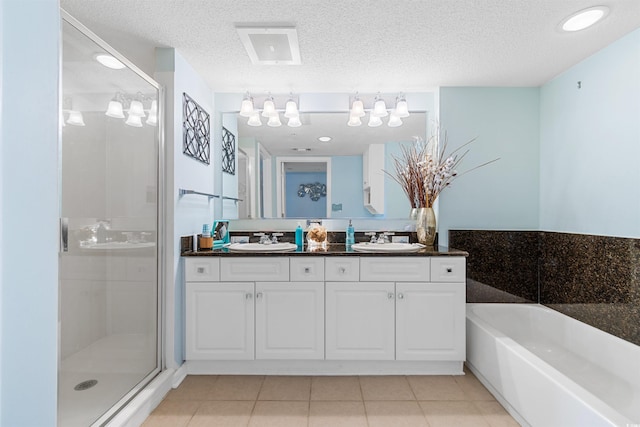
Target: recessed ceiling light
<point x="324" y="138"/>
<point x="584" y="18"/>
<point x="109" y="61"/>
<point x="301" y="149"/>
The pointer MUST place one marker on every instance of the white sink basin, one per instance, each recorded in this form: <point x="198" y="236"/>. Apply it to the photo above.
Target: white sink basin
<point x="259" y="247"/>
<point x="387" y="247"/>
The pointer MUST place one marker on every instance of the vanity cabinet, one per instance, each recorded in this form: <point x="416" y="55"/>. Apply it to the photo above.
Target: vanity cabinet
<point x="219" y="321"/>
<point x="360" y="321"/>
<point x="337" y="313"/>
<point x="290" y="320"/>
<point x="430" y="321"/>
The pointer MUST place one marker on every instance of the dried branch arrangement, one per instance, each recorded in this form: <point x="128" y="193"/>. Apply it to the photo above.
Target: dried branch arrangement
<point x="424" y="170"/>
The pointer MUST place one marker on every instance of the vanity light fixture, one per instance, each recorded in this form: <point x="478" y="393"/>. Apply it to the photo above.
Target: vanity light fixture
<point x="354" y="121"/>
<point x="109" y="61"/>
<point x="135" y="110"/>
<point x="254" y="119"/>
<point x="378" y="110"/>
<point x="402" y="109"/>
<point x="291" y="109"/>
<point x="394" y="120"/>
<point x="133" y="120"/>
<point x="115" y="109"/>
<point x="274" y="120"/>
<point x="246" y="109"/>
<point x="357" y="107"/>
<point x="269" y="107"/>
<point x="152" y="120"/>
<point x="584" y="18"/>
<point x="294" y="122"/>
<point x="374" y="121"/>
<point x="270" y="110"/>
<point x="379" y="107"/>
<point x="324" y="138"/>
<point x="75" y="118"/>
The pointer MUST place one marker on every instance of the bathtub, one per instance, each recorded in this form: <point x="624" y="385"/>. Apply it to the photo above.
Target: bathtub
<point x="550" y="370"/>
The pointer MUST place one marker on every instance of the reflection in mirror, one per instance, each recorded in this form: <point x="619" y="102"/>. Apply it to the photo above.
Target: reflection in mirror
<point x="303" y="187"/>
<point x="354" y="179"/>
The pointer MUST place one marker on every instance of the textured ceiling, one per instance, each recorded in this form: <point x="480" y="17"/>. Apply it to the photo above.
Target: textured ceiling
<point x="365" y="46"/>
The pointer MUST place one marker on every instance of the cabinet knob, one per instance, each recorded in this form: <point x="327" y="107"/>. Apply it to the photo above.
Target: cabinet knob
<point x="400" y="296"/>
<point x="307" y="270"/>
<point x="449" y="269"/>
<point x="259" y="295"/>
<point x="390" y="295"/>
<point x="342" y="270"/>
<point x="200" y="270"/>
<point x="248" y="296"/>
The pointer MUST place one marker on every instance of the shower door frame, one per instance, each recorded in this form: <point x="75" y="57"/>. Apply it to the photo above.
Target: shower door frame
<point x="160" y="214"/>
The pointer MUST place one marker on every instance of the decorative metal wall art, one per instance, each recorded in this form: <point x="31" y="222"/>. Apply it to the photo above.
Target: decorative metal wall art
<point x="228" y="152"/>
<point x="195" y="129"/>
<point x="315" y="191"/>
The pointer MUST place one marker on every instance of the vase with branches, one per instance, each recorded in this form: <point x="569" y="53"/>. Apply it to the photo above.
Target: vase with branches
<point x="423" y="170"/>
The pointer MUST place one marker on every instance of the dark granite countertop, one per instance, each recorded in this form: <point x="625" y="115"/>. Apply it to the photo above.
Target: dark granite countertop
<point x="331" y="250"/>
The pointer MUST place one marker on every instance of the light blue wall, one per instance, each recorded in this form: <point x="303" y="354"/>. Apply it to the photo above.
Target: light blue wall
<point x="503" y="195"/>
<point x="396" y="203"/>
<point x="590" y="144"/>
<point x="30" y="36"/>
<point x="304" y="207"/>
<point x="184" y="215"/>
<point x="346" y="180"/>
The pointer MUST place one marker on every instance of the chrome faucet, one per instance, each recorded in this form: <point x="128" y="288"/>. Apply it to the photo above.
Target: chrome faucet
<point x="383" y="237"/>
<point x="264" y="239"/>
<point x="274" y="237"/>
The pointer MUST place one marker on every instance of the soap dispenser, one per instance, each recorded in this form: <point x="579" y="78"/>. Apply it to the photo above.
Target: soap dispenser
<point x="350" y="237"/>
<point x="299" y="235"/>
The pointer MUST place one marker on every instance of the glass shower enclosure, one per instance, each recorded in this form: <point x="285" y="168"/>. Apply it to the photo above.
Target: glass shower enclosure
<point x="110" y="157"/>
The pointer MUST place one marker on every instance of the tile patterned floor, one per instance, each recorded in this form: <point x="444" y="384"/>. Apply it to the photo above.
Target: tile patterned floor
<point x="282" y="401"/>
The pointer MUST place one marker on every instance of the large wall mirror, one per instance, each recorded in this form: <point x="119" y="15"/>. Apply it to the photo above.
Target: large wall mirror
<point x="321" y="169"/>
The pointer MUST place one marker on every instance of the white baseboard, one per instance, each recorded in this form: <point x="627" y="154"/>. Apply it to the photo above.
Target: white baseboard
<point x="322" y="367"/>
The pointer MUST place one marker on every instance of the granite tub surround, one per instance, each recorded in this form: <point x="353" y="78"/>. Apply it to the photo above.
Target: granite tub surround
<point x="595" y="279"/>
<point x="502" y="266"/>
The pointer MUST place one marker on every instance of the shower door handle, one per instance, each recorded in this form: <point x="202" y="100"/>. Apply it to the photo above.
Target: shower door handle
<point x="64" y="234"/>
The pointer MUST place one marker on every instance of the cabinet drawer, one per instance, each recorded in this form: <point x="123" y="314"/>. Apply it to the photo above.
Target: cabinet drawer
<point x="260" y="269"/>
<point x="448" y="269"/>
<point x="394" y="269"/>
<point x="202" y="269"/>
<point x="306" y="269"/>
<point x="342" y="269"/>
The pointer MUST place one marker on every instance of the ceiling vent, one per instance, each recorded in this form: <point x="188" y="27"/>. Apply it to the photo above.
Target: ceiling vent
<point x="277" y="45"/>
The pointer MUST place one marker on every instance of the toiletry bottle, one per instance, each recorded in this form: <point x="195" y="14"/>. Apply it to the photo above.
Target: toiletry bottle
<point x="350" y="237"/>
<point x="299" y="235"/>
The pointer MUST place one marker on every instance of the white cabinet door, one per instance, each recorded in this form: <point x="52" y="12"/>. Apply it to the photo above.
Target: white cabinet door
<point x="360" y="321"/>
<point x="430" y="321"/>
<point x="290" y="320"/>
<point x="219" y="321"/>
